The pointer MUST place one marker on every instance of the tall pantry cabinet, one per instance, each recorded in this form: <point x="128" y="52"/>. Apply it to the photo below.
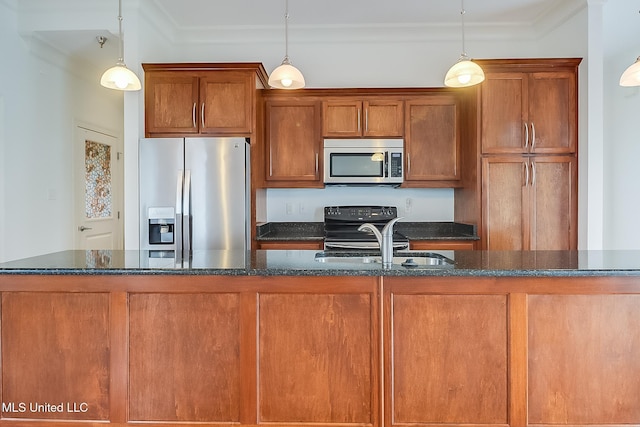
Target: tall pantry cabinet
<point x="528" y="151"/>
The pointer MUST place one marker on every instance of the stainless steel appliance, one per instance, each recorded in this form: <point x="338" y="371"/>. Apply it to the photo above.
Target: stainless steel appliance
<point x="194" y="194"/>
<point x="363" y="161"/>
<point x="341" y="227"/>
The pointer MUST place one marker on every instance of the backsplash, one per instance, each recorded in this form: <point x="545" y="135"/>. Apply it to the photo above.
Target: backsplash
<point x="414" y="204"/>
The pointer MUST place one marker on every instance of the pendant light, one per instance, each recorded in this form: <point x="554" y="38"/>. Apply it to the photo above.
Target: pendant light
<point x="119" y="77"/>
<point x="631" y="76"/>
<point x="286" y="76"/>
<point x="465" y="72"/>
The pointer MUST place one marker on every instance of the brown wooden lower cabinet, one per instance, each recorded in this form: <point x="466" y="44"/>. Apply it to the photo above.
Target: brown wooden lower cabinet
<point x="291" y="244"/>
<point x="442" y="245"/>
<point x="319" y="351"/>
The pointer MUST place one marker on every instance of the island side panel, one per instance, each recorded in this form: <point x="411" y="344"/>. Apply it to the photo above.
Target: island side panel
<point x="184" y="357"/>
<point x="319" y="353"/>
<point x="583" y="359"/>
<point x="55" y="356"/>
<point x="448" y="358"/>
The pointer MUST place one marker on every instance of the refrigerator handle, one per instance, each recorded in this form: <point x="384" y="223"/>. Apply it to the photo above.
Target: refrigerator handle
<point x="186" y="214"/>
<point x="178" y="223"/>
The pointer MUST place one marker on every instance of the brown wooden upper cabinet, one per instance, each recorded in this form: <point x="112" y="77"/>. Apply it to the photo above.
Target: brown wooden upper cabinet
<point x="529" y="112"/>
<point x="432" y="141"/>
<point x="350" y="117"/>
<point x="293" y="143"/>
<point x="199" y="102"/>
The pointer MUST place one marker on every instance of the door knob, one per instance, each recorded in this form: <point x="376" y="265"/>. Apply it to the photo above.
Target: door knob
<point x="83" y="228"/>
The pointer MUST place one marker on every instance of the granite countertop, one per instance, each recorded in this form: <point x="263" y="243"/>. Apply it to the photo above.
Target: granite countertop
<point x="279" y="231"/>
<point x="302" y="263"/>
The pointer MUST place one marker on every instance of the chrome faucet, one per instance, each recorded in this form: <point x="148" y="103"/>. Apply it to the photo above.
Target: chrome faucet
<point x="385" y="240"/>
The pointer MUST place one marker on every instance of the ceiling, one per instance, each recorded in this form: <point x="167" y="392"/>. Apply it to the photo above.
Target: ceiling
<point x="203" y="13"/>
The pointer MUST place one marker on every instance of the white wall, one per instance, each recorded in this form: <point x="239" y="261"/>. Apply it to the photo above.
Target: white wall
<point x="307" y="204"/>
<point x="43" y="101"/>
<point x="621" y="136"/>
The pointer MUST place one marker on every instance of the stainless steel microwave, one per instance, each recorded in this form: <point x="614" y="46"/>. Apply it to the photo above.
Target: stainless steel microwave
<point x="363" y="161"/>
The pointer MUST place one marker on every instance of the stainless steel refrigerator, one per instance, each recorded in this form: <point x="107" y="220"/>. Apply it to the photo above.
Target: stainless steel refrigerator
<point x="194" y="195"/>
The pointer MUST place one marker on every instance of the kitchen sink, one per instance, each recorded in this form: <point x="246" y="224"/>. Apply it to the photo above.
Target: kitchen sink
<point x="407" y="259"/>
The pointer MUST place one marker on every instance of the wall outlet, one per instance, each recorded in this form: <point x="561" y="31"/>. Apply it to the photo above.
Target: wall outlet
<point x="289" y="209"/>
<point x="408" y="204"/>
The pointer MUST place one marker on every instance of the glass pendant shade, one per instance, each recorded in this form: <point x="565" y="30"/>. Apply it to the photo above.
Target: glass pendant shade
<point x="120" y="77"/>
<point x="631" y="76"/>
<point x="464" y="73"/>
<point x="286" y="76"/>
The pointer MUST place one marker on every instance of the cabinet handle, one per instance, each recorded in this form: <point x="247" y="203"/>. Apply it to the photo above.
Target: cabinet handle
<point x="202" y="115"/>
<point x="533" y="173"/>
<point x="316" y="164"/>
<point x="408" y="163"/>
<point x="533" y="136"/>
<point x="526" y="173"/>
<point x="193" y="114"/>
<point x="526" y="135"/>
<point x="358" y="120"/>
<point x="366" y="121"/>
<point x="270" y="161"/>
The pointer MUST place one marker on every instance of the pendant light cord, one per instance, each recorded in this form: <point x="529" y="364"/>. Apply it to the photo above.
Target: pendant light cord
<point x="121" y="57"/>
<point x="286" y="31"/>
<point x="462" y="12"/>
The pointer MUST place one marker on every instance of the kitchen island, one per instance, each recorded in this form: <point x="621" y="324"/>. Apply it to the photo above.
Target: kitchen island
<point x="276" y="337"/>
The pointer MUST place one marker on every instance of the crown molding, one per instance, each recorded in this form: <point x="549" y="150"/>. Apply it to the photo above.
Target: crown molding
<point x="560" y="13"/>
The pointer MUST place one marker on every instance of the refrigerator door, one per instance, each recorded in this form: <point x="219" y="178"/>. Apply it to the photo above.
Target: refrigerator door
<point x="161" y="168"/>
<point x="219" y="205"/>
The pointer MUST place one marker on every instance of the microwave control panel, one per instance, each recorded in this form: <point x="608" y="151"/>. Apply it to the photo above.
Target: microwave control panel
<point x="395" y="165"/>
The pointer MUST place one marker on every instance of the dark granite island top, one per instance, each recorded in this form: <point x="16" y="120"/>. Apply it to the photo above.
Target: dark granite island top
<point x="304" y="263"/>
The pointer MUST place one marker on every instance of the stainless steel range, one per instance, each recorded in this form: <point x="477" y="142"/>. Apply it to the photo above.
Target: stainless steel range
<point x="341" y="227"/>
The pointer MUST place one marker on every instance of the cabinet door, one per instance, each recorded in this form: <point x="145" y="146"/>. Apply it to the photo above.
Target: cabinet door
<point x="342" y="118"/>
<point x="383" y="118"/>
<point x="171" y="100"/>
<point x="552" y="112"/>
<point x="226" y="103"/>
<point x="435" y="379"/>
<point x="504" y="113"/>
<point x="553" y="200"/>
<point x="505" y="202"/>
<point x="432" y="140"/>
<point x="293" y="144"/>
<point x="322" y="367"/>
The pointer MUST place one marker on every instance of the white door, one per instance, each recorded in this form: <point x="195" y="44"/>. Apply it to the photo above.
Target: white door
<point x="98" y="190"/>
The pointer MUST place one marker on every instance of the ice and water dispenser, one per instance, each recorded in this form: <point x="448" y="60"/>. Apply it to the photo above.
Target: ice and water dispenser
<point x="161" y="225"/>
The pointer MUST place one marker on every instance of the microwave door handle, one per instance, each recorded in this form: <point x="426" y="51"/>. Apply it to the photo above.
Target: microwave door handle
<point x="386" y="164"/>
